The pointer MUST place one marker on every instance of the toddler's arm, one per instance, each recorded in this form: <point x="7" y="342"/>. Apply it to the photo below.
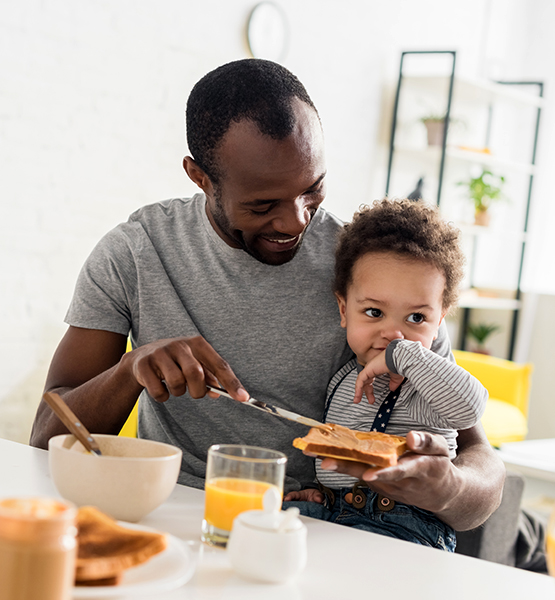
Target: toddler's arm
<point x="452" y="397"/>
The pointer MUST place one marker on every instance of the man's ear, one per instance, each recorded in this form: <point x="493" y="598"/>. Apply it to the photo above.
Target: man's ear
<point x="198" y="176"/>
<point x="341" y="302"/>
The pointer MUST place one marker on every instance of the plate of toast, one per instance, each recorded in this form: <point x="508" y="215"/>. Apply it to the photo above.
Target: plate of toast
<point x="125" y="559"/>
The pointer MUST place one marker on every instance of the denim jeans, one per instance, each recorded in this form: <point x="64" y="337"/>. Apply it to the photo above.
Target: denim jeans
<point x="380" y="515"/>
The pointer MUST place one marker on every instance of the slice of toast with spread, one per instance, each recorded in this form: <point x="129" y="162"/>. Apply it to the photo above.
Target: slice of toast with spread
<point x="371" y="447"/>
<point x="106" y="549"/>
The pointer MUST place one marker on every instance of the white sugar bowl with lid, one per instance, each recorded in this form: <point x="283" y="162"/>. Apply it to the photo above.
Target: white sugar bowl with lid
<point x="268" y="545"/>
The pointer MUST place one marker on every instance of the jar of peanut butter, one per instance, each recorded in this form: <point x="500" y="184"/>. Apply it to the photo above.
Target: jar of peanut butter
<point x="37" y="549"/>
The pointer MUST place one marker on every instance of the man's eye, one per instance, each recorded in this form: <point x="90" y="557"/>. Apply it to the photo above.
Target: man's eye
<point x="416" y="318"/>
<point x="315" y="191"/>
<point x="373" y="312"/>
<point x="263" y="211"/>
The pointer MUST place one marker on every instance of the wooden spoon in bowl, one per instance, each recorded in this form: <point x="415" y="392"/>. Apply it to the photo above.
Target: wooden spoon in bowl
<point x="70" y="420"/>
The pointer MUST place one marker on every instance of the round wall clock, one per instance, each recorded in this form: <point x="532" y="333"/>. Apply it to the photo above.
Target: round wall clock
<point x="268" y="32"/>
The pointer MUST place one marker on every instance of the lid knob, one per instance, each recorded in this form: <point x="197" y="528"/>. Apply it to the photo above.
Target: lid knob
<point x="271" y="501"/>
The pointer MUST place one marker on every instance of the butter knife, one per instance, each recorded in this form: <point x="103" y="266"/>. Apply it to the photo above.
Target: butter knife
<point x="274" y="410"/>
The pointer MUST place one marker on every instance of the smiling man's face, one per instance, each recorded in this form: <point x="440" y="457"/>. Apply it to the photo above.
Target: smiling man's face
<point x="269" y="189"/>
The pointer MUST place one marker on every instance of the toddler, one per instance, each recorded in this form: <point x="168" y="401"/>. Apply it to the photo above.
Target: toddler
<point x="398" y="269"/>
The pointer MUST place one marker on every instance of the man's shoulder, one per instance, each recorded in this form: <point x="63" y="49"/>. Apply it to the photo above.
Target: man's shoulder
<point x="155" y="224"/>
<point x="324" y="218"/>
<point x="174" y="208"/>
<point x="323" y="232"/>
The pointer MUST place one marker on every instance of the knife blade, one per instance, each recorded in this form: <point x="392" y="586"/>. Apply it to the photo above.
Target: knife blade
<point x="274" y="410"/>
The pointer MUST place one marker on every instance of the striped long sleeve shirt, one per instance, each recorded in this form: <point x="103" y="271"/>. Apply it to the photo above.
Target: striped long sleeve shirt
<point x="438" y="396"/>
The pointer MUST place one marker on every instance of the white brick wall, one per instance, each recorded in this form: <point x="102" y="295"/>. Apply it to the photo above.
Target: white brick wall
<point x="92" y="94"/>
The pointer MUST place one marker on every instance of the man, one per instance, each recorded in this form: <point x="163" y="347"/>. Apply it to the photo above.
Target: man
<point x="243" y="273"/>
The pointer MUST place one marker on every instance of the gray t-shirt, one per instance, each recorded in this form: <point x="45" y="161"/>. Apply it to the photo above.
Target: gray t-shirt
<point x="166" y="273"/>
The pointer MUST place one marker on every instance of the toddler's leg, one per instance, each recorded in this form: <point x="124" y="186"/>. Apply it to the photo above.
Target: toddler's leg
<point x="310" y="509"/>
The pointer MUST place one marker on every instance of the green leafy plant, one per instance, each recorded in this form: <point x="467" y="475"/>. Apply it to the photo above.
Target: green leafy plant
<point x="434" y="117"/>
<point x="484" y="189"/>
<point x="480" y="332"/>
<point x="440" y="118"/>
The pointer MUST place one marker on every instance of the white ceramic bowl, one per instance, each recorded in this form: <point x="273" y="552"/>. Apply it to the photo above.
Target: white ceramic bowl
<point x="130" y="479"/>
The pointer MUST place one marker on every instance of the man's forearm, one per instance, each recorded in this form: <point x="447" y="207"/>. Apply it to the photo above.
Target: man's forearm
<point x="102" y="403"/>
<point x="478" y="476"/>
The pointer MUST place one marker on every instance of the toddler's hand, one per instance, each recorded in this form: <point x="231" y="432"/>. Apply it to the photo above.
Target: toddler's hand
<point x="365" y="380"/>
<point x="309" y="495"/>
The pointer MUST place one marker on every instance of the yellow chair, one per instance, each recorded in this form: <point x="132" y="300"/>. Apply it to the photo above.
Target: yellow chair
<point x="508" y="383"/>
<point x="129" y="428"/>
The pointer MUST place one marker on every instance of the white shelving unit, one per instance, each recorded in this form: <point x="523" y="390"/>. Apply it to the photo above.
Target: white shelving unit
<point x="484" y="302"/>
<point x="475" y="90"/>
<point x="460" y="154"/>
<point x="499" y="133"/>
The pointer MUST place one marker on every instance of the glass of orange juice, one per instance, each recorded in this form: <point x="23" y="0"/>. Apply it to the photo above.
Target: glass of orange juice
<point x="550" y="542"/>
<point x="236" y="479"/>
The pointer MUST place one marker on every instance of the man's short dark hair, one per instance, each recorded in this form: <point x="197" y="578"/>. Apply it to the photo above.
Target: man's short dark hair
<point x="410" y="229"/>
<point x="259" y="90"/>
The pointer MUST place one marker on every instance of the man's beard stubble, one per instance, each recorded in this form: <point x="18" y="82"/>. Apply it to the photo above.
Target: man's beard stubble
<point x="224" y="224"/>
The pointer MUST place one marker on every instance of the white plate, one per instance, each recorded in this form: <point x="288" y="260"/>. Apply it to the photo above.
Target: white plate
<point x="164" y="572"/>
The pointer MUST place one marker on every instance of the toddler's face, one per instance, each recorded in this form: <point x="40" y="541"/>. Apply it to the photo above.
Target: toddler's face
<point x="391" y="297"/>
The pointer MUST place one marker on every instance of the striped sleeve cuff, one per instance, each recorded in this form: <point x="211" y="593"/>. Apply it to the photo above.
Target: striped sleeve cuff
<point x="389" y="355"/>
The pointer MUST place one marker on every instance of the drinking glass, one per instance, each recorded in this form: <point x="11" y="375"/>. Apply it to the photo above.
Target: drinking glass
<point x="236" y="479"/>
<point x="550" y="543"/>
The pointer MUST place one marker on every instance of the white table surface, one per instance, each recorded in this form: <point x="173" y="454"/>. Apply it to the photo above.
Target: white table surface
<point x="534" y="458"/>
<point x="342" y="562"/>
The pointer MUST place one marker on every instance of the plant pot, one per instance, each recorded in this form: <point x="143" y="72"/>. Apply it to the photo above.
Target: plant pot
<point x="482" y="218"/>
<point x="435" y="130"/>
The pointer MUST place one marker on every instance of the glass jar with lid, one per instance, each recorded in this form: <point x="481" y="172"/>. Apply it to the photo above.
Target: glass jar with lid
<point x="37" y="549"/>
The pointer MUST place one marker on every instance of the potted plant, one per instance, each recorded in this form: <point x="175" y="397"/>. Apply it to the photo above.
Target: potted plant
<point x="480" y="332"/>
<point x="435" y="127"/>
<point x="483" y="190"/>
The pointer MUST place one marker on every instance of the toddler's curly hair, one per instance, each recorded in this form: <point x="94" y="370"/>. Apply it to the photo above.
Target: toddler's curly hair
<point x="410" y="229"/>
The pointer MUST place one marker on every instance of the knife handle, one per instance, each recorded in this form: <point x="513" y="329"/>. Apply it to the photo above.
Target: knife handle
<point x="219" y="390"/>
